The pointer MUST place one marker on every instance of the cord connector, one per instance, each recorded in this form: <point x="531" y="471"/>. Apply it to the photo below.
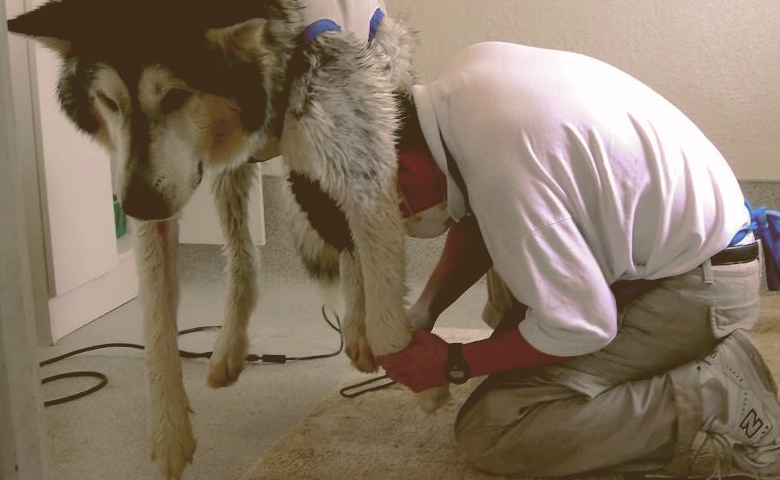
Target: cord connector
<point x="274" y="358"/>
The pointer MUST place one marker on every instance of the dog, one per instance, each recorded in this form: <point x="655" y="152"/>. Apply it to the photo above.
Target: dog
<point x="173" y="88"/>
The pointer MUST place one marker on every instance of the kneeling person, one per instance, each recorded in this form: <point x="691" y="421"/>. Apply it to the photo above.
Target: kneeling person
<point x="622" y="273"/>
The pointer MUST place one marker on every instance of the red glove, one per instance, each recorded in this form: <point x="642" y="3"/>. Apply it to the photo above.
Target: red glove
<point x="420" y="365"/>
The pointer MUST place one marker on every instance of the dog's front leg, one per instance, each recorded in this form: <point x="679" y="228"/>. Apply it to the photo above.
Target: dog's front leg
<point x="354" y="327"/>
<point x="231" y="191"/>
<point x="157" y="251"/>
<point x="376" y="231"/>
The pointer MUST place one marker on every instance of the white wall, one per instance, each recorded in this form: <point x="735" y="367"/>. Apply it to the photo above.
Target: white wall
<point x="717" y="60"/>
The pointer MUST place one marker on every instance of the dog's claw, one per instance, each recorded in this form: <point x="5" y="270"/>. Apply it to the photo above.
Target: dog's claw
<point x="226" y="362"/>
<point x="221" y="375"/>
<point x="362" y="357"/>
<point x="173" y="446"/>
<point x="173" y="463"/>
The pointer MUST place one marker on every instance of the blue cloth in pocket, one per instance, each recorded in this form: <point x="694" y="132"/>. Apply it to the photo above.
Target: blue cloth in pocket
<point x="769" y="232"/>
<point x="765" y="225"/>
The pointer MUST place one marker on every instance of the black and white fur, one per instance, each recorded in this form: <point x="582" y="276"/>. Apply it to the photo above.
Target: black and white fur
<point x="176" y="87"/>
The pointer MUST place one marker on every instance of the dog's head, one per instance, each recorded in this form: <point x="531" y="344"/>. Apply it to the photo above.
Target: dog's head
<point x="169" y="87"/>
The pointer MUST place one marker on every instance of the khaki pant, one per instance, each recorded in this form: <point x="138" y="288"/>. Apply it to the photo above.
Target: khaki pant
<point x="633" y="406"/>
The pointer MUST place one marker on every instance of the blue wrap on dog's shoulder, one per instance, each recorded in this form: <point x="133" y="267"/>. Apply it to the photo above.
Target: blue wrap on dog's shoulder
<point x="376" y="19"/>
<point x="315" y="29"/>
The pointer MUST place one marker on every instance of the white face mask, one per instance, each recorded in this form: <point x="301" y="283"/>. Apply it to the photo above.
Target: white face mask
<point x="429" y="223"/>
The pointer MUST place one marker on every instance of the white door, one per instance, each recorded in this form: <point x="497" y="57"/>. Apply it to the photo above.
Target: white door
<point x="200" y="223"/>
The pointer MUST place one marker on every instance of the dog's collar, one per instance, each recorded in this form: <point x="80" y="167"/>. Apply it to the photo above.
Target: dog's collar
<point x="314" y="30"/>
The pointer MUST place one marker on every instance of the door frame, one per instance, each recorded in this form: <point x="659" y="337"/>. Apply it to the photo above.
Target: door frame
<point x="23" y="450"/>
<point x="21" y="53"/>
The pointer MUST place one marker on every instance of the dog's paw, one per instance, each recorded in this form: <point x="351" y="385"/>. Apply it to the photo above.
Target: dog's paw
<point x="227" y="361"/>
<point x="173" y="444"/>
<point x="432" y="399"/>
<point x="362" y="356"/>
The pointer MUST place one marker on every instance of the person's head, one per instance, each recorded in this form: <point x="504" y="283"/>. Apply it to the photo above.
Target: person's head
<point x="422" y="187"/>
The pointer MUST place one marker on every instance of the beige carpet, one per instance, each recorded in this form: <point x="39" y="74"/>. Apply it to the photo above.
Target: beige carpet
<point x="384" y="435"/>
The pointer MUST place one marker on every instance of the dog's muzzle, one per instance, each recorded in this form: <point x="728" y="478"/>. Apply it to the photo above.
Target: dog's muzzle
<point x="144" y="203"/>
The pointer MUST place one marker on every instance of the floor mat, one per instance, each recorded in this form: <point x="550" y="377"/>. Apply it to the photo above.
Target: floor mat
<point x="384" y="435"/>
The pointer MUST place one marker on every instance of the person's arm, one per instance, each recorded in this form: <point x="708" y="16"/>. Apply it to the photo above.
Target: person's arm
<point x="463" y="262"/>
<point x="420" y="366"/>
<point x="507" y="351"/>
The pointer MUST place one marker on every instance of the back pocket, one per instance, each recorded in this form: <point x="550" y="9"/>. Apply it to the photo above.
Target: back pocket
<point x="725" y="320"/>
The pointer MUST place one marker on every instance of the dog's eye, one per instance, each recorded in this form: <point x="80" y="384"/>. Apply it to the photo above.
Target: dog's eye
<point x="174" y="100"/>
<point x="109" y="104"/>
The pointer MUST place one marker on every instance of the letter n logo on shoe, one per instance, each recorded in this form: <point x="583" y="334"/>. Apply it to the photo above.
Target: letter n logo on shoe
<point x="751" y="424"/>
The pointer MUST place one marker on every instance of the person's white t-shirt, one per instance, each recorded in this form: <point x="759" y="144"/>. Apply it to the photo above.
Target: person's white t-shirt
<point x="579" y="176"/>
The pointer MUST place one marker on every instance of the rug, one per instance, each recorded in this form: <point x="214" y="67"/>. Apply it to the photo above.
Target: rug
<point x="385" y="436"/>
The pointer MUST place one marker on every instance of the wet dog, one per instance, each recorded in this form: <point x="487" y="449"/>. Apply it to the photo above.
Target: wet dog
<point x="173" y="88"/>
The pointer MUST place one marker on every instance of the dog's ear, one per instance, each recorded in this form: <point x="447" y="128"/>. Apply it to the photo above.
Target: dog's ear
<point x="243" y="41"/>
<point x="48" y="24"/>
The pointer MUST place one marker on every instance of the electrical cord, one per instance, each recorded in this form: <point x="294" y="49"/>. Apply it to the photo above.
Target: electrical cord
<point x="103" y="379"/>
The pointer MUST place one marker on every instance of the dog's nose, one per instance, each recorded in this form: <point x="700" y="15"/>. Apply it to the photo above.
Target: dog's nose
<point x="145" y="203"/>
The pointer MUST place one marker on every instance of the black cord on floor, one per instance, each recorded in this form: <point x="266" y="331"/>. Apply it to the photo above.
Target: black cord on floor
<point x="103" y="380"/>
<point x="371" y="385"/>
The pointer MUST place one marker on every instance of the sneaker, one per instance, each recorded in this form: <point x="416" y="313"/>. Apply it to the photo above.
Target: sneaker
<point x="751" y="417"/>
<point x="709" y="457"/>
<point x="714" y="456"/>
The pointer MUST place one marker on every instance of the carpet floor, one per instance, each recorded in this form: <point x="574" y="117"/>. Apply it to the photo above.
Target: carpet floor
<point x="384" y="435"/>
